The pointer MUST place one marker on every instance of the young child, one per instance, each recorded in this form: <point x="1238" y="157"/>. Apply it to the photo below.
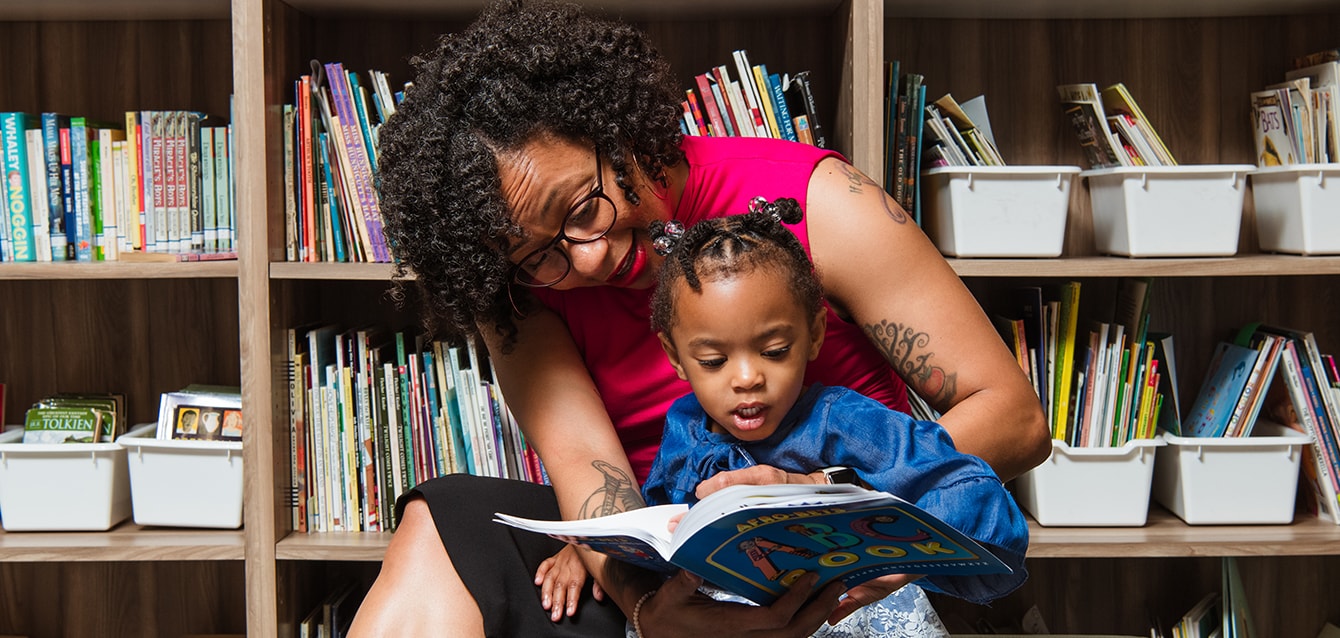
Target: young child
<point x="739" y="312"/>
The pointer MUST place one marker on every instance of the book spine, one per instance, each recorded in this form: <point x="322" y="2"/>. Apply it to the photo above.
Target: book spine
<point x="193" y="186"/>
<point x="765" y="100"/>
<point x="329" y="202"/>
<point x="18" y="200"/>
<point x="719" y="128"/>
<point x="55" y="197"/>
<point x="225" y="202"/>
<point x="750" y="93"/>
<point x="148" y="183"/>
<point x="291" y="229"/>
<point x="79" y="161"/>
<point x="1323" y="454"/>
<point x="207" y="196"/>
<point x="37" y="189"/>
<point x="361" y="167"/>
<point x="806" y="97"/>
<point x="181" y="145"/>
<point x="134" y="197"/>
<point x="779" y="107"/>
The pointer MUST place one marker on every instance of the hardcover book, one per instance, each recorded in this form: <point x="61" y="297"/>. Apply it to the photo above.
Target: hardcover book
<point x="756" y="540"/>
<point x="1224" y="383"/>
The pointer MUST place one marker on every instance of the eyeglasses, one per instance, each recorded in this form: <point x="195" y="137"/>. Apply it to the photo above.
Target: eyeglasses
<point x="588" y="220"/>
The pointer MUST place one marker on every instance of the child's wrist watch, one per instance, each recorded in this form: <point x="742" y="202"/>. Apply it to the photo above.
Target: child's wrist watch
<point x="840" y="474"/>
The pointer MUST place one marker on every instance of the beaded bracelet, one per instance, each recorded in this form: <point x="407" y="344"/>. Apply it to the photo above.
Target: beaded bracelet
<point x="637" y="611"/>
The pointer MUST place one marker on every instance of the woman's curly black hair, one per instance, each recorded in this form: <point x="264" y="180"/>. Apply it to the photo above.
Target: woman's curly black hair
<point x="722" y="247"/>
<point x="520" y="72"/>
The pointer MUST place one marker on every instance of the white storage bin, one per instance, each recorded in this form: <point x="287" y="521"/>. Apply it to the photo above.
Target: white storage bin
<point x="1298" y="208"/>
<point x="1168" y="211"/>
<point x="997" y="211"/>
<point x="62" y="486"/>
<point x="184" y="483"/>
<point x="1231" y="480"/>
<point x="1091" y="486"/>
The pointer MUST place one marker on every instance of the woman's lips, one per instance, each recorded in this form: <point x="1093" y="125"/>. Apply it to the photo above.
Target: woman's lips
<point x="631" y="266"/>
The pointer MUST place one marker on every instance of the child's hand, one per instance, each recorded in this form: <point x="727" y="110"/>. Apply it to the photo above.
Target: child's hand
<point x="560" y="578"/>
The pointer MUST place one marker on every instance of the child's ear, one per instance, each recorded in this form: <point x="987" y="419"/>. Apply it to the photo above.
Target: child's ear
<point x="818" y="327"/>
<point x="673" y="354"/>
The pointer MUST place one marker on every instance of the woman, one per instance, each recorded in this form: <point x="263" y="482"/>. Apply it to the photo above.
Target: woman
<point x="518" y="180"/>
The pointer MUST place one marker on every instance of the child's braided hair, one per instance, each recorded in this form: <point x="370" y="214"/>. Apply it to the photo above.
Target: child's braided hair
<point x="723" y="247"/>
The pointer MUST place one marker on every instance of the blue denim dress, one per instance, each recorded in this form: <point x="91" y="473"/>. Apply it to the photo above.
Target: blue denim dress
<point x="890" y="451"/>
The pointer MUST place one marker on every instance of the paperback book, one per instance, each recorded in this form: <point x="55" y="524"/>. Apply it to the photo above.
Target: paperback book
<point x="755" y="541"/>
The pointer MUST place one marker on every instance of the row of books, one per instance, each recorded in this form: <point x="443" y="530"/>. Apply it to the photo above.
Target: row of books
<point x="960" y="134"/>
<point x="372" y="414"/>
<point x="158" y="186"/>
<point x="1297" y="121"/>
<point x="1111" y="127"/>
<point x="1220" y="614"/>
<point x="756" y="103"/>
<point x="904" y="100"/>
<point x="332" y="617"/>
<point x="1100" y="387"/>
<point x="75" y="418"/>
<point x="331" y="210"/>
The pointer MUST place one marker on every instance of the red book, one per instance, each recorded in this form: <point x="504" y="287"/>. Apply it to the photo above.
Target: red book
<point x="719" y="128"/>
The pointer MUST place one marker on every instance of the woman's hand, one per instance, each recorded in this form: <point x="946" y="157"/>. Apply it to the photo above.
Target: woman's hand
<point x="754" y="475"/>
<point x="869" y="592"/>
<point x="560" y="579"/>
<point x="678" y="609"/>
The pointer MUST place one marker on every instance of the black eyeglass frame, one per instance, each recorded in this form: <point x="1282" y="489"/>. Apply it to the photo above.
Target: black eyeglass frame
<point x="518" y="271"/>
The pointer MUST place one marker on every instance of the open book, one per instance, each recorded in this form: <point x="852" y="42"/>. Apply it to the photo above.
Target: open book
<point x="755" y="541"/>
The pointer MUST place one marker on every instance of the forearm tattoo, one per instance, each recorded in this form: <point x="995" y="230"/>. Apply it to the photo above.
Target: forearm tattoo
<point x="618" y="494"/>
<point x="857" y="183"/>
<point x="906" y="349"/>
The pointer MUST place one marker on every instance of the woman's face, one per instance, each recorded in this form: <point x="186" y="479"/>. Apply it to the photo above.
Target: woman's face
<point x="545" y="178"/>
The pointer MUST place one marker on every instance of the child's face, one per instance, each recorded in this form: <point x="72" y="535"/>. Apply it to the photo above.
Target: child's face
<point x="743" y="344"/>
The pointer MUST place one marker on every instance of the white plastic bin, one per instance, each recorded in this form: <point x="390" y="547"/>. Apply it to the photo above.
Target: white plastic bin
<point x="184" y="483"/>
<point x="1168" y="211"/>
<point x="62" y="486"/>
<point x="997" y="211"/>
<point x="1100" y="486"/>
<point x="1298" y="208"/>
<point x="1231" y="480"/>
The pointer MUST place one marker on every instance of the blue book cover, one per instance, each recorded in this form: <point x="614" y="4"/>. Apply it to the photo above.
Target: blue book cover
<point x="83" y="220"/>
<point x="755" y="541"/>
<point x="779" y="105"/>
<point x="1224" y="382"/>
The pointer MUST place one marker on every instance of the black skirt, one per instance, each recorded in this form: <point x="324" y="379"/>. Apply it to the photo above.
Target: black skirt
<point x="497" y="563"/>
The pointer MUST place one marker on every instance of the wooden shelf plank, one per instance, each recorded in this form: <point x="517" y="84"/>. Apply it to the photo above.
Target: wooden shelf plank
<point x="113" y="10"/>
<point x="126" y="542"/>
<point x="1244" y="266"/>
<point x="1164" y="535"/>
<point x="362" y="271"/>
<point x="1067" y="9"/>
<point x="119" y="270"/>
<point x="349" y="546"/>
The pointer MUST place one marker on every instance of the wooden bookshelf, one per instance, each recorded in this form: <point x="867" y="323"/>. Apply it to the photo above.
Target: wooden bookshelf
<point x="148" y="328"/>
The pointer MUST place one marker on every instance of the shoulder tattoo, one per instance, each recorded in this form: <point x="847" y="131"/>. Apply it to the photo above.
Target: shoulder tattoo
<point x="618" y="494"/>
<point x="858" y="183"/>
<point x="906" y="349"/>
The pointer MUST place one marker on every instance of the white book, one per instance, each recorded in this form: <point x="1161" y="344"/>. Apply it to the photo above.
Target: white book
<point x="37" y="185"/>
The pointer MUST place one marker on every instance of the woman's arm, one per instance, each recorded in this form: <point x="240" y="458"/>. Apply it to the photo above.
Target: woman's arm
<point x="880" y="271"/>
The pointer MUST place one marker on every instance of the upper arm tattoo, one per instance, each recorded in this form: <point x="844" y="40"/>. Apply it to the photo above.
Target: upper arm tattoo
<point x="906" y="349"/>
<point x="618" y="494"/>
<point x="857" y="183"/>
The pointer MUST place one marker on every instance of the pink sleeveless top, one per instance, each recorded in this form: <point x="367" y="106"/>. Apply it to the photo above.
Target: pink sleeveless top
<point x="612" y="326"/>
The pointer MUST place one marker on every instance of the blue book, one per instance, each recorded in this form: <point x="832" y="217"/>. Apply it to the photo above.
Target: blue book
<point x="779" y="105"/>
<point x="328" y="185"/>
<point x="753" y="540"/>
<point x="83" y="214"/>
<point x="1224" y="382"/>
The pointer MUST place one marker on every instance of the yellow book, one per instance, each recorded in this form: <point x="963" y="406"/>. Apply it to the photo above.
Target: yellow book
<point x="1065" y="356"/>
<point x="1117" y="99"/>
<point x="769" y="114"/>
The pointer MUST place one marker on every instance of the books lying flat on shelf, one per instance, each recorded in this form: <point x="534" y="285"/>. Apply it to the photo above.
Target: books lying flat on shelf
<point x="756" y="540"/>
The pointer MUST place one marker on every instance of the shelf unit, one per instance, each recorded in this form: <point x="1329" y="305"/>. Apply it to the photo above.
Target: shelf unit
<point x="147" y="328"/>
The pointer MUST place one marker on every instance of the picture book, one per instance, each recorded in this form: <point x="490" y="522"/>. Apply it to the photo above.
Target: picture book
<point x="1084" y="110"/>
<point x="1272" y="129"/>
<point x="63" y="424"/>
<point x="1224" y="383"/>
<point x="200" y="413"/>
<point x="756" y="540"/>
